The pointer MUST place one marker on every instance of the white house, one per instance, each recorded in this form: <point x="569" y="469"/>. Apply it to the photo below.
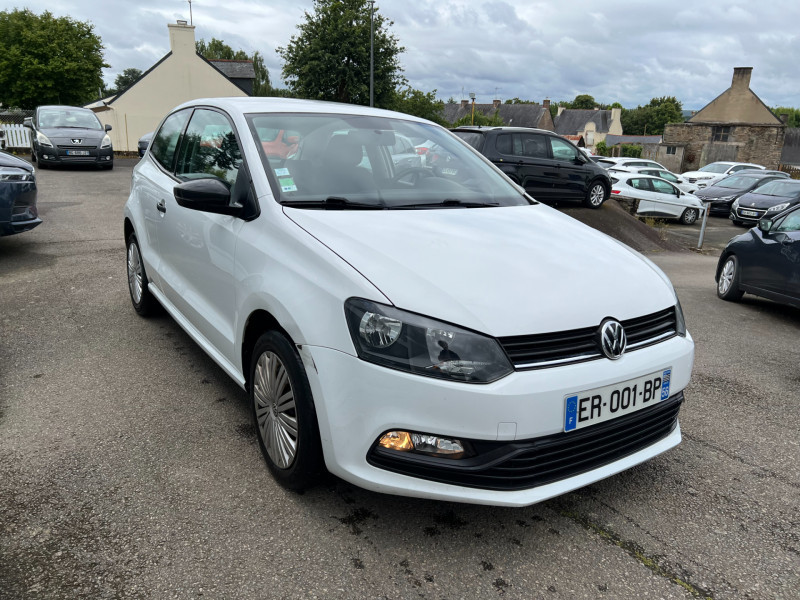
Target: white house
<point x="180" y="76"/>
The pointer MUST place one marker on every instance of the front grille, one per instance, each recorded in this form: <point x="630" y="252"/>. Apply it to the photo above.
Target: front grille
<point x="77" y="147"/>
<point x="508" y="466"/>
<point x="759" y="213"/>
<point x="579" y="345"/>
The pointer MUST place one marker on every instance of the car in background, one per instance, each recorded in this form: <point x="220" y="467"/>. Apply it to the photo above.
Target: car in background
<point x="713" y="172"/>
<point x="18" y="211"/>
<point x="765" y="201"/>
<point x="764" y="261"/>
<point x="674" y="179"/>
<point x="549" y="167"/>
<point x="69" y="135"/>
<point x="722" y="194"/>
<point x="783" y="174"/>
<point x="656" y="197"/>
<point x="144" y="142"/>
<point x="404" y="154"/>
<point x="414" y="334"/>
<point x="626" y="163"/>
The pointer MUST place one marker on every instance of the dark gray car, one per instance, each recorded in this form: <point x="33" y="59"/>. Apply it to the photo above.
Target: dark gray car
<point x="64" y="135"/>
<point x="18" y="211"/>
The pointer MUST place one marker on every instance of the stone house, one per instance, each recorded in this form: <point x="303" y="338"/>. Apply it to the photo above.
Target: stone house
<point x="593" y="125"/>
<point x="735" y="126"/>
<point x="180" y="76"/>
<point x="516" y="115"/>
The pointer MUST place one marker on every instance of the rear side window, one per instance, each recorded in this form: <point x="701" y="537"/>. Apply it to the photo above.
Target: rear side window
<point x="209" y="148"/>
<point x="473" y="139"/>
<point x="166" y="140"/>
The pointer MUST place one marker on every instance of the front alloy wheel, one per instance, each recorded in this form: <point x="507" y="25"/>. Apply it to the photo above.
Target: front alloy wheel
<point x="143" y="301"/>
<point x="689" y="216"/>
<point x="276" y="413"/>
<point x="728" y="284"/>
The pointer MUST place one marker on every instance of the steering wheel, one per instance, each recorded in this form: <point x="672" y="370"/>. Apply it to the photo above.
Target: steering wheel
<point x="417" y="172"/>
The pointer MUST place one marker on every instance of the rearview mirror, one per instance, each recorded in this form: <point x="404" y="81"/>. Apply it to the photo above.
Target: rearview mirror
<point x="207" y="195"/>
<point x="765" y="225"/>
<point x="107" y="127"/>
<point x="27" y="122"/>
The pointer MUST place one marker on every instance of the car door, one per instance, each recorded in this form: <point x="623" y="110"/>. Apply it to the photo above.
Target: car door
<point x="197" y="247"/>
<point x="643" y="192"/>
<point x="526" y="160"/>
<point x="572" y="182"/>
<point x="781" y="257"/>
<point x="666" y="199"/>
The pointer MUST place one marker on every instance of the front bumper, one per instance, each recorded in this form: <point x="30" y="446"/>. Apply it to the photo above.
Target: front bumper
<point x="747" y="215"/>
<point x="356" y="402"/>
<point x="64" y="155"/>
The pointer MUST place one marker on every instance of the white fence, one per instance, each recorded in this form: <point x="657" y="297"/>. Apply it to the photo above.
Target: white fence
<point x="16" y="136"/>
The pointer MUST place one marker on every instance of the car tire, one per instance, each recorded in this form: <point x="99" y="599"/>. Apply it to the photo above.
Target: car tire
<point x="595" y="196"/>
<point x="728" y="284"/>
<point x="144" y="303"/>
<point x="689" y="216"/>
<point x="283" y="413"/>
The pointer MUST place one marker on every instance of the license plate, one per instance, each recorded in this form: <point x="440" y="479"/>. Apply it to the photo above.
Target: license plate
<point x="602" y="404"/>
<point x="78" y="152"/>
<point x="449" y="171"/>
<point x="748" y="213"/>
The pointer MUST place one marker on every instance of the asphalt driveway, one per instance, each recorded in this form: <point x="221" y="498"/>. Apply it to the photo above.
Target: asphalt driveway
<point x="129" y="467"/>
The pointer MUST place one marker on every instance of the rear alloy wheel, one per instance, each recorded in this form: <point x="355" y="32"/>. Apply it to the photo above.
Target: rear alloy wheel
<point x="689" y="216"/>
<point x="595" y="196"/>
<point x="728" y="284"/>
<point x="283" y="413"/>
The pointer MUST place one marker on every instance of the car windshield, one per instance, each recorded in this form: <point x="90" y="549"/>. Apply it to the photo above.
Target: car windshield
<point x="473" y="139"/>
<point x="738" y="182"/>
<point x="715" y="168"/>
<point x="351" y="161"/>
<point x="76" y="118"/>
<point x="784" y="189"/>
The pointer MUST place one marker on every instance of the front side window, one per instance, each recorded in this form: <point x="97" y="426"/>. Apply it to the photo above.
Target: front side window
<point x="346" y="160"/>
<point x="641" y="184"/>
<point x="790" y="223"/>
<point x="166" y="140"/>
<point x="662" y="187"/>
<point x="72" y="118"/>
<point x="209" y="148"/>
<point x="563" y="150"/>
<point x="667" y="175"/>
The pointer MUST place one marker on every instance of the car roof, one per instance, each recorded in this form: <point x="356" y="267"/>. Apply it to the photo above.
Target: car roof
<point x="733" y="164"/>
<point x="64" y="106"/>
<point x="481" y="128"/>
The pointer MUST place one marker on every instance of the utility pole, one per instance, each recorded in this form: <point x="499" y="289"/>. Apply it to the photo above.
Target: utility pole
<point x="371" y="54"/>
<point x="191" y="20"/>
<point x="472" y="96"/>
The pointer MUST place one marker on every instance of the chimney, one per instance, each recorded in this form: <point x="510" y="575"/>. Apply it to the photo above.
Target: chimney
<point x="560" y="110"/>
<point x="495" y="103"/>
<point x="464" y="103"/>
<point x="741" y="78"/>
<point x="181" y="38"/>
<point x="546" y="103"/>
<point x="616" y="114"/>
<point x="784" y="118"/>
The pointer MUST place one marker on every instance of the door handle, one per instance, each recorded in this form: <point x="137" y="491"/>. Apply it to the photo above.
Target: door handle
<point x="162" y="206"/>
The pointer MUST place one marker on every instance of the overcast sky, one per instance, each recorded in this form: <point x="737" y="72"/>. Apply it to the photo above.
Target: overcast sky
<point x="616" y="50"/>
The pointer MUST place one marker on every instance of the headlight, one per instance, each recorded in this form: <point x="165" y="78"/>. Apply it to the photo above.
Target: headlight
<point x="735" y="204"/>
<point x="778" y="207"/>
<point x="106" y="143"/>
<point x="680" y="322"/>
<point x="405" y="341"/>
<point x="14" y="174"/>
<point x="42" y="139"/>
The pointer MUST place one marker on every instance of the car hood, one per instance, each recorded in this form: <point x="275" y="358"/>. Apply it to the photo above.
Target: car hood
<point x="697" y="174"/>
<point x="718" y="192"/>
<point x="68" y="133"/>
<point x="7" y="160"/>
<point x="761" y="201"/>
<point x="503" y="271"/>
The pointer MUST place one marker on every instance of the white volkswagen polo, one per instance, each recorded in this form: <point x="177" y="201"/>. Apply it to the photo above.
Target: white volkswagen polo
<point x="427" y="331"/>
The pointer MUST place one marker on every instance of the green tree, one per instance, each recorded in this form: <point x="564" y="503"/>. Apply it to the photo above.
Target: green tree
<point x="480" y="119"/>
<point x="219" y="50"/>
<point x="653" y="117"/>
<point x="602" y="149"/>
<point x="123" y="81"/>
<point x="584" y="101"/>
<point x="420" y="104"/>
<point x="48" y="60"/>
<point x="329" y="58"/>
<point x="794" y="115"/>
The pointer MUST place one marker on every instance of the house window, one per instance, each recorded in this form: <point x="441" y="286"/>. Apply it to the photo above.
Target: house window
<point x="720" y="133"/>
<point x="670" y="149"/>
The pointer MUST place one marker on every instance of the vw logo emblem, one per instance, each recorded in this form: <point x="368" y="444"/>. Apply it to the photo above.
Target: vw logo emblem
<point x="76" y="141"/>
<point x="612" y="338"/>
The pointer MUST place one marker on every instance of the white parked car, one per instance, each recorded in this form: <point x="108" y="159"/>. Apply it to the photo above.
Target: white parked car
<point x="715" y="171"/>
<point x="418" y="334"/>
<point x="657" y="197"/>
<point x="676" y="180"/>
<point x="620" y="163"/>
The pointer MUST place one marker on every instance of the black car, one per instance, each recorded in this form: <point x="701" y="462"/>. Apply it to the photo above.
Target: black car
<point x="721" y="195"/>
<point x="18" y="211"/>
<point x="62" y="135"/>
<point x="549" y="167"/>
<point x="765" y="261"/>
<point x="144" y="142"/>
<point x="765" y="201"/>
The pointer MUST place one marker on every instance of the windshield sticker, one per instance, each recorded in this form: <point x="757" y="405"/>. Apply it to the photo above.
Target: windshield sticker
<point x="287" y="185"/>
<point x="281" y="172"/>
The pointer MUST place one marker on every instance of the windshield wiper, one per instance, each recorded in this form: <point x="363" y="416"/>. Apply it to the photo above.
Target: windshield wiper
<point x="454" y="202"/>
<point x="333" y="203"/>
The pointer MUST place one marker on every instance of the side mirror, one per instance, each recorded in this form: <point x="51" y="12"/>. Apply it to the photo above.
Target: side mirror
<point x="207" y="195"/>
<point x="107" y="128"/>
<point x="765" y="225"/>
<point x="28" y="122"/>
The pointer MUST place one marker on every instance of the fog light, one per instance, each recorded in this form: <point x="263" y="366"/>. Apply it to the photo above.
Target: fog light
<point x="403" y="441"/>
